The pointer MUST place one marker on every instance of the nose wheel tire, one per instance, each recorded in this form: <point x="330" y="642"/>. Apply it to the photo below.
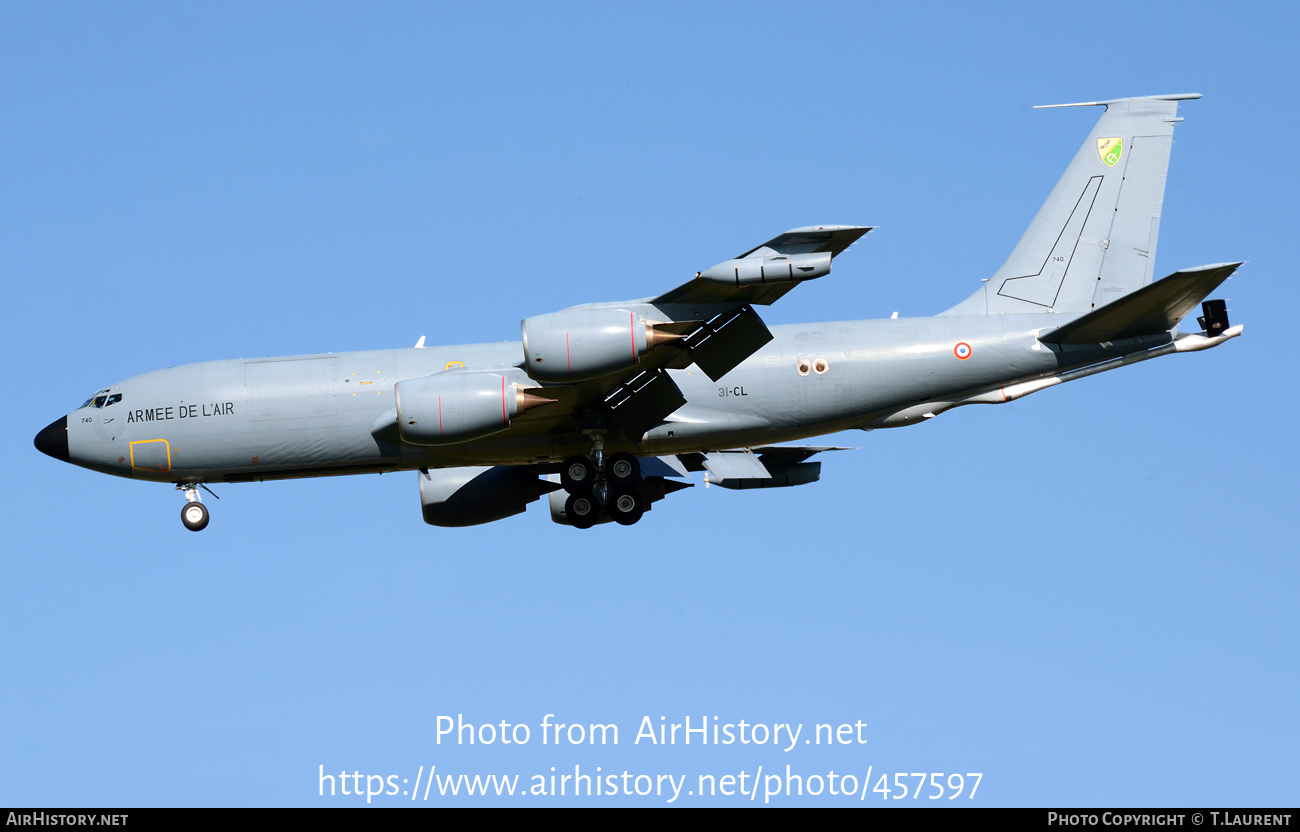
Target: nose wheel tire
<point x="578" y="475"/>
<point x="195" y="516"/>
<point x="582" y="511"/>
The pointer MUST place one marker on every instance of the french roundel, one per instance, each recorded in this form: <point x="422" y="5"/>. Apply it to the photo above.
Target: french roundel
<point x="962" y="350"/>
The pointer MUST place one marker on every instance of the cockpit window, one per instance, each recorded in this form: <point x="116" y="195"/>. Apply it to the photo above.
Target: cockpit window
<point x="102" y="399"/>
<point x="88" y="402"/>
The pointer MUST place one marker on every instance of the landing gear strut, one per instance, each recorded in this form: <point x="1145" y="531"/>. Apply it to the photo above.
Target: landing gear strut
<point x="597" y="486"/>
<point x="194" y="514"/>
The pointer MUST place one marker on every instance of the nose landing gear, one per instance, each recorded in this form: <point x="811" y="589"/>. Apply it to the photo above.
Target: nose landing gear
<point x="194" y="514"/>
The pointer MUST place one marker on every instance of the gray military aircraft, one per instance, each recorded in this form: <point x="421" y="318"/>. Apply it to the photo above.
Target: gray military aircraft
<point x="604" y="406"/>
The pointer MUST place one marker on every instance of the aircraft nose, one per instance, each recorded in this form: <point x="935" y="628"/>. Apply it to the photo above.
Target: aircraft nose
<point x="53" y="439"/>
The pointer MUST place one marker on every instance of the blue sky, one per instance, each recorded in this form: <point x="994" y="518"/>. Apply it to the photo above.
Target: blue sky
<point x="1088" y="596"/>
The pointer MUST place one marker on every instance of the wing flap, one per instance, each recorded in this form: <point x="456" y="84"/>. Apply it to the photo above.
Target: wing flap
<point x="642" y="402"/>
<point x="718" y="346"/>
<point x="740" y="464"/>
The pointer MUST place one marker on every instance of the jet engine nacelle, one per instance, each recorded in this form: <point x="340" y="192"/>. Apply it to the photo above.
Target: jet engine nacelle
<point x="580" y="344"/>
<point x="475" y="495"/>
<point x="451" y="407"/>
<point x="780" y="268"/>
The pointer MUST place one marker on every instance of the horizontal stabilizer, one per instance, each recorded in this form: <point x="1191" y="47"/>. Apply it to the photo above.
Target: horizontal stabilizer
<point x="1155" y="308"/>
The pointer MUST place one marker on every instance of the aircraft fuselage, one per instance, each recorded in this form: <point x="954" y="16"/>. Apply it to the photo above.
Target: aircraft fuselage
<point x="303" y="416"/>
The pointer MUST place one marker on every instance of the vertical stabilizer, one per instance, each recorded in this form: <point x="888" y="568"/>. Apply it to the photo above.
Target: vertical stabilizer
<point x="1094" y="240"/>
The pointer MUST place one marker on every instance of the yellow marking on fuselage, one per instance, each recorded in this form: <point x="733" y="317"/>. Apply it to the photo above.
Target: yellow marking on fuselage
<point x="166" y="445"/>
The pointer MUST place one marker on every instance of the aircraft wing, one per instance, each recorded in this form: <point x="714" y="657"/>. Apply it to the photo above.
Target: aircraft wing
<point x="779" y="454"/>
<point x="811" y="240"/>
<point x="708" y="322"/>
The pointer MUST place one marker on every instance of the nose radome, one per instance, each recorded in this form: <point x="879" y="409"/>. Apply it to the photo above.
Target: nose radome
<point x="53" y="439"/>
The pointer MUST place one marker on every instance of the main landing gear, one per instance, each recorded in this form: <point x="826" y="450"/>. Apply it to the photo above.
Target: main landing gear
<point x="194" y="514"/>
<point x="597" y="485"/>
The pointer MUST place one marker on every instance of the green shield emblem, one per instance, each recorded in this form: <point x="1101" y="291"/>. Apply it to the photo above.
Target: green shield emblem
<point x="1110" y="150"/>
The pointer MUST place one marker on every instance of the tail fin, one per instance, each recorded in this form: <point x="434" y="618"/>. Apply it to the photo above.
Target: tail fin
<point x="1094" y="240"/>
